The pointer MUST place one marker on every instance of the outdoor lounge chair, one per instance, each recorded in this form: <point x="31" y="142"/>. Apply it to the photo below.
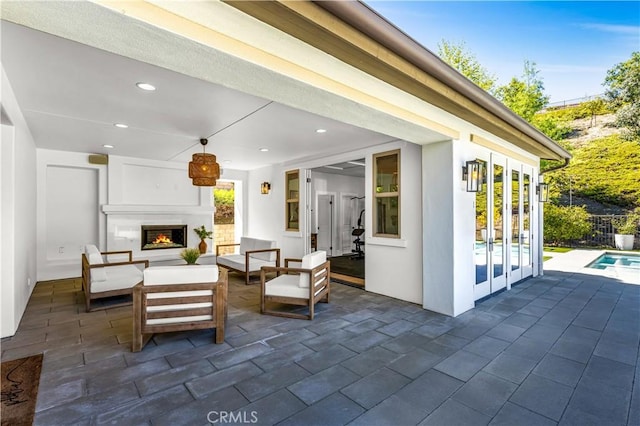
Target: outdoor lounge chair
<point x="303" y="286"/>
<point x="179" y="298"/>
<point x="101" y="278"/>
<point x="253" y="254"/>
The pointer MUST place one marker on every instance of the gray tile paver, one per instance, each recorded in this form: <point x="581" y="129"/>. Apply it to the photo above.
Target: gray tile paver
<point x="543" y="396"/>
<point x="485" y="393"/>
<point x="558" y="348"/>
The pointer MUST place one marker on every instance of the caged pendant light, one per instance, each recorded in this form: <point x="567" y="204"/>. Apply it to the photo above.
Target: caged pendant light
<point x="203" y="169"/>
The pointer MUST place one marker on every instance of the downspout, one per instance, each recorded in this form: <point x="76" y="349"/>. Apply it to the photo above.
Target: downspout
<point x="541" y="220"/>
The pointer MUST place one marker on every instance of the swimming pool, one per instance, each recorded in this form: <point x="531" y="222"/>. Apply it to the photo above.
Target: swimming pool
<point x="619" y="262"/>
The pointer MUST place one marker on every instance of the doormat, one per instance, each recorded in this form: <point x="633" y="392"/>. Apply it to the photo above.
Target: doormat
<point x="20" y="380"/>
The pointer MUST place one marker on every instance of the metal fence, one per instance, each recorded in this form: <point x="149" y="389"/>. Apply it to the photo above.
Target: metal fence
<point x="571" y="102"/>
<point x="602" y="232"/>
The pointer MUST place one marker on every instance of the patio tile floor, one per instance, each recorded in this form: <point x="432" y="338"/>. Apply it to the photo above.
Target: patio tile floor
<point x="558" y="349"/>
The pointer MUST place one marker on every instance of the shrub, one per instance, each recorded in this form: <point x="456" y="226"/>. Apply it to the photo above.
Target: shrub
<point x="563" y="224"/>
<point x="224" y="201"/>
<point x="627" y="225"/>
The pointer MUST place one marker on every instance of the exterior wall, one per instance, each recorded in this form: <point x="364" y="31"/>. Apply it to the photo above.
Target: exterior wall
<point x="449" y="222"/>
<point x="393" y="267"/>
<point x="18" y="212"/>
<point x="223" y="234"/>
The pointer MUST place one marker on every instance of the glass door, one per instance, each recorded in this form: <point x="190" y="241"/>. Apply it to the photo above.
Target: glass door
<point x="526" y="236"/>
<point x="497" y="242"/>
<point x="516" y="225"/>
<point x="490" y="237"/>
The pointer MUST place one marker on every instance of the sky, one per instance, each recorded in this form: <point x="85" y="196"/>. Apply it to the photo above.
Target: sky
<point x="572" y="43"/>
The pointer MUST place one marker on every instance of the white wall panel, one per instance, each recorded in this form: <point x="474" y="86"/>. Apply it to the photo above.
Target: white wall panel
<point x="18" y="220"/>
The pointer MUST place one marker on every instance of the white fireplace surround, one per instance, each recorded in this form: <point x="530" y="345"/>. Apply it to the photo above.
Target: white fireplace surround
<point x="124" y="224"/>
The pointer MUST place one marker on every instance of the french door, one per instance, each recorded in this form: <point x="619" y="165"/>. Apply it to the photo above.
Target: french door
<point x="491" y="231"/>
<point x="521" y="231"/>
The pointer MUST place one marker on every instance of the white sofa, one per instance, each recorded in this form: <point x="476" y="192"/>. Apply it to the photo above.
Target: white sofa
<point x="177" y="298"/>
<point x="101" y="278"/>
<point x="253" y="254"/>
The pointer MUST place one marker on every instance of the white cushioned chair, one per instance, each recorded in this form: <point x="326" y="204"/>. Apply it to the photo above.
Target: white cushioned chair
<point x="178" y="298"/>
<point x="304" y="286"/>
<point x="101" y="278"/>
<point x="253" y="254"/>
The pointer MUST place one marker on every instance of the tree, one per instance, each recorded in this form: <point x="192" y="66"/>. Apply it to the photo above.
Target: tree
<point x="525" y="97"/>
<point x="623" y="94"/>
<point x="466" y="63"/>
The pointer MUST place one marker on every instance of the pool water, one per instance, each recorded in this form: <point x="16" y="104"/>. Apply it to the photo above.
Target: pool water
<point x="624" y="262"/>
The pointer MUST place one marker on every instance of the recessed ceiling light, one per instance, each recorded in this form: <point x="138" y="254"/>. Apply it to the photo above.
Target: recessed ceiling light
<point x="334" y="167"/>
<point x="146" y="86"/>
<point x="321" y="130"/>
<point x="108" y="146"/>
<point x="226" y="162"/>
<point x="356" y="163"/>
<point x="121" y="125"/>
<point x="264" y="149"/>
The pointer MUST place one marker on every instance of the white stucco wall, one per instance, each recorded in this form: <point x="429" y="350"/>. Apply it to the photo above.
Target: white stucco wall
<point x="18" y="217"/>
<point x="393" y="266"/>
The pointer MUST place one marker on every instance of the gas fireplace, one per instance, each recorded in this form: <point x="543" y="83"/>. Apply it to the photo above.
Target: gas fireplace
<point x="155" y="237"/>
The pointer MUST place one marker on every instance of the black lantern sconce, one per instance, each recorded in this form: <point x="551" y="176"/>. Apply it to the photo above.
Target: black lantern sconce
<point x="543" y="192"/>
<point x="265" y="188"/>
<point x="472" y="173"/>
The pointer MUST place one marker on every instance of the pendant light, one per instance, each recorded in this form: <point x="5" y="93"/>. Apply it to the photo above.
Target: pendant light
<point x="203" y="169"/>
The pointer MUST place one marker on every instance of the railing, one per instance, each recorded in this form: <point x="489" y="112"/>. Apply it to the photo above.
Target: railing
<point x="602" y="232"/>
<point x="571" y="102"/>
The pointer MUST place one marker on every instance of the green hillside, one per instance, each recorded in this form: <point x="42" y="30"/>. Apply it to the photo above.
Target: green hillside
<point x="604" y="173"/>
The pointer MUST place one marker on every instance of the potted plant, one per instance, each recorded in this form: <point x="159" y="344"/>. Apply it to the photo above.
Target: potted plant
<point x="190" y="255"/>
<point x="203" y="234"/>
<point x="626" y="228"/>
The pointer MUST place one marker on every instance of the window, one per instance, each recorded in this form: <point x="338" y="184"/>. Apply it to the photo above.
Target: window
<point x="386" y="194"/>
<point x="292" y="200"/>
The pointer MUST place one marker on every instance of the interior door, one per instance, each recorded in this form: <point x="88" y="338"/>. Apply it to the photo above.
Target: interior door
<point x="347" y="223"/>
<point x="490" y="240"/>
<point x="325" y="223"/>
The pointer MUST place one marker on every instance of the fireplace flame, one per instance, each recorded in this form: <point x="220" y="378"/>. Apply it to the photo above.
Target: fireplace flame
<point x="162" y="239"/>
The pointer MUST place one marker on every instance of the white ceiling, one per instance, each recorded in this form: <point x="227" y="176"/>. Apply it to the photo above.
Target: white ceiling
<point x="72" y="94"/>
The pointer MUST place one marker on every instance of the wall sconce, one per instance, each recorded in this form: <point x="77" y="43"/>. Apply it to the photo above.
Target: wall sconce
<point x="543" y="192"/>
<point x="265" y="187"/>
<point x="472" y="173"/>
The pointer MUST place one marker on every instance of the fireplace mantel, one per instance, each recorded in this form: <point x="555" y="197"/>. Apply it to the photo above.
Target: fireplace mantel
<point x="132" y="209"/>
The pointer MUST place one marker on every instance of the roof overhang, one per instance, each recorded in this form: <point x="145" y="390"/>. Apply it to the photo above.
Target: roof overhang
<point x="355" y="34"/>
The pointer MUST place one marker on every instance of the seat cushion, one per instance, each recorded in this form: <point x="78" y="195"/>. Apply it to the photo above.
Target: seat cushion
<point x="269" y="256"/>
<point x="237" y="261"/>
<point x="180" y="274"/>
<point x="95" y="258"/>
<point x="117" y="278"/>
<point x="248" y="244"/>
<point x="310" y="261"/>
<point x="286" y="286"/>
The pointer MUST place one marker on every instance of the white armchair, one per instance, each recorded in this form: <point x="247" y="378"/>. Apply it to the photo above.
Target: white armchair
<point x="254" y="253"/>
<point x="101" y="278"/>
<point x="303" y="286"/>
